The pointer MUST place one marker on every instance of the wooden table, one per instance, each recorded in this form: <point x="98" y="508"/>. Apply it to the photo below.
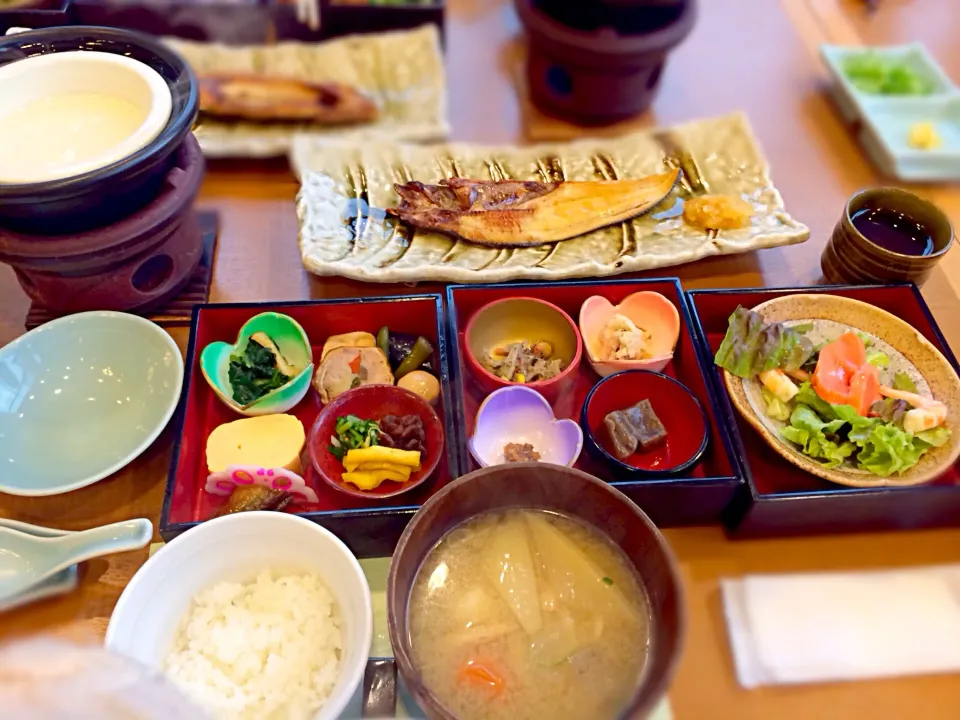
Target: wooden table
<point x="756" y="55"/>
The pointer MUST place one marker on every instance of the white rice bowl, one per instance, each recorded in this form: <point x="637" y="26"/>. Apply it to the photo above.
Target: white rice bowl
<point x="266" y="649"/>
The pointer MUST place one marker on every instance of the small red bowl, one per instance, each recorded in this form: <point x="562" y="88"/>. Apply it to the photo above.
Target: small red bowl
<point x="679" y="410"/>
<point x="523" y="318"/>
<point x="374" y="402"/>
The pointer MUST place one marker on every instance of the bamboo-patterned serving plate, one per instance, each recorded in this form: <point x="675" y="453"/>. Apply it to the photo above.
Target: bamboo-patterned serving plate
<point x="346" y="186"/>
<point x="401" y="70"/>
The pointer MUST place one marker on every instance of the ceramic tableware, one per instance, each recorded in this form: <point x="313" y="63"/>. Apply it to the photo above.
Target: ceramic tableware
<point x="648" y="310"/>
<point x="679" y="410"/>
<point x="57" y="584"/>
<point x="30" y="559"/>
<point x="129" y="103"/>
<point x="374" y="401"/>
<point x="566" y="491"/>
<point x="850" y="257"/>
<point x="374" y="250"/>
<point x="598" y="63"/>
<point x="523" y="319"/>
<point x="909" y="352"/>
<point x="106" y="194"/>
<point x="518" y="414"/>
<point x="921" y="100"/>
<point x="83" y="396"/>
<point x="237" y="548"/>
<point x="292" y="342"/>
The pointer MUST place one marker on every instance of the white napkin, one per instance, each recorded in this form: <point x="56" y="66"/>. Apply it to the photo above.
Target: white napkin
<point x="843" y="626"/>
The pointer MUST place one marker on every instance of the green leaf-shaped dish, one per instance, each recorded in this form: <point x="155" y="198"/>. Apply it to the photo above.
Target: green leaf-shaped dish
<point x="293" y="344"/>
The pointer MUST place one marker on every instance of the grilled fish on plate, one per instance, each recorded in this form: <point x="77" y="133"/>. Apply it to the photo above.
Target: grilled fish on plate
<point x="512" y="213"/>
<point x="264" y="98"/>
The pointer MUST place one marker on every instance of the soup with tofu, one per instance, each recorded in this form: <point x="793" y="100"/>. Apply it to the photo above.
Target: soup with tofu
<point x="529" y="614"/>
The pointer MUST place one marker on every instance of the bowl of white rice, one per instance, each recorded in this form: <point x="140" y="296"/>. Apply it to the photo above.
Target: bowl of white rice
<point x="254" y="615"/>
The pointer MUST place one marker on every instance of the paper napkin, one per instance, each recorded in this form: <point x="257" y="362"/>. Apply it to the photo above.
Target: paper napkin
<point x="843" y="626"/>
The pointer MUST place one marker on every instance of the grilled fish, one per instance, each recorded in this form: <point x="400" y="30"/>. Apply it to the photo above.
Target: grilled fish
<point x="513" y="213"/>
<point x="261" y="98"/>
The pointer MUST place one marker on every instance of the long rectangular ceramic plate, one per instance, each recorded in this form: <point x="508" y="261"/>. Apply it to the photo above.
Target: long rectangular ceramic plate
<point x="345" y="187"/>
<point x="402" y="71"/>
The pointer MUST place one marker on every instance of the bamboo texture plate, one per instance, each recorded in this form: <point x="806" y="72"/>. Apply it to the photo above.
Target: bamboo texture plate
<point x="345" y="186"/>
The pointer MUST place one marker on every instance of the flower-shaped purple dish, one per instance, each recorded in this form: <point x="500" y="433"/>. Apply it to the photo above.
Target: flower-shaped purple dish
<point x="517" y="414"/>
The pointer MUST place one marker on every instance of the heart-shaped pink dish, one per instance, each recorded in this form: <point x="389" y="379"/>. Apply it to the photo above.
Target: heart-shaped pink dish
<point x="638" y="334"/>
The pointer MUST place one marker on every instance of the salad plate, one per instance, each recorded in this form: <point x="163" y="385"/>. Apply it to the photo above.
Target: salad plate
<point x="895" y="430"/>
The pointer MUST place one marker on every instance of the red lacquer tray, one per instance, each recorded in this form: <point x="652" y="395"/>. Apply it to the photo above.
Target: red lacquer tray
<point x="697" y="496"/>
<point x="779" y="499"/>
<point x="368" y="527"/>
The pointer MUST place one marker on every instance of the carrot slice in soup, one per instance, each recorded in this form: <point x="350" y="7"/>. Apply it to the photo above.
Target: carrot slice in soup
<point x="844" y="377"/>
<point x="478" y="673"/>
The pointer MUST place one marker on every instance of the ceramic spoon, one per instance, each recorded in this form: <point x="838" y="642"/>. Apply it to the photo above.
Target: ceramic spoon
<point x="26" y="560"/>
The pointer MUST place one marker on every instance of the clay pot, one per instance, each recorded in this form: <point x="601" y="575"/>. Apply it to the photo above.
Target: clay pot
<point x="103" y="196"/>
<point x="134" y="264"/>
<point x="600" y="62"/>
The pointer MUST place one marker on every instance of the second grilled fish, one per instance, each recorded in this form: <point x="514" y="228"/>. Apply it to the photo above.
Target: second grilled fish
<point x="263" y="98"/>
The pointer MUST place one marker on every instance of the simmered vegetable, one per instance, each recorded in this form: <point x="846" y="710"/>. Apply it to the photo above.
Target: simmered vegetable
<point x="508" y="565"/>
<point x="400" y="345"/>
<point x="418" y="355"/>
<point x="571" y="575"/>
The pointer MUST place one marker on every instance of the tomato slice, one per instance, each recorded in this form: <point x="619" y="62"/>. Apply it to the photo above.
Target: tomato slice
<point x="844" y="377"/>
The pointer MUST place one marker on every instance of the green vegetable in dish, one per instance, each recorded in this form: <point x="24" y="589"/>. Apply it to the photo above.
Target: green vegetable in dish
<point x="902" y="381"/>
<point x="254" y="373"/>
<point x="878" y="359"/>
<point x="352" y="433"/>
<point x="834" y="433"/>
<point x="752" y="346"/>
<point x="421" y="350"/>
<point x="818" y="439"/>
<point x="872" y="73"/>
<point x="802" y="328"/>
<point x="383" y="341"/>
<point x="776" y="408"/>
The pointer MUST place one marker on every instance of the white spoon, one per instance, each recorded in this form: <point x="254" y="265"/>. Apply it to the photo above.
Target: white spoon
<point x="26" y="560"/>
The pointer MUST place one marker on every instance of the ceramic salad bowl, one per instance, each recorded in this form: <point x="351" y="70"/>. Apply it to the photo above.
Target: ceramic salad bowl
<point x="909" y="360"/>
<point x="518" y="414"/>
<point x="649" y="311"/>
<point x="293" y="344"/>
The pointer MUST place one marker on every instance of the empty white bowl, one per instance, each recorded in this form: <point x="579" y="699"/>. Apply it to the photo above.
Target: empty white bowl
<point x="68" y="113"/>
<point x="82" y="396"/>
<point x="236" y="548"/>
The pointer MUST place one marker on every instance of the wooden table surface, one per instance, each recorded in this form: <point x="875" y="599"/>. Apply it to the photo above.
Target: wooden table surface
<point x="754" y="55"/>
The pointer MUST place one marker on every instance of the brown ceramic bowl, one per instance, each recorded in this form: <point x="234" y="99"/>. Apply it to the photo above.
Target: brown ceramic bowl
<point x="849" y="258"/>
<point x="523" y="318"/>
<point x="569" y="492"/>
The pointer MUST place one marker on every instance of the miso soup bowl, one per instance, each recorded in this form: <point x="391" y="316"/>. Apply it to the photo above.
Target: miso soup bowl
<point x="568" y="492"/>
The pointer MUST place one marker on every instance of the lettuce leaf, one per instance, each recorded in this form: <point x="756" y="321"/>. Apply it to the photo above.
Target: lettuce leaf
<point x="807" y="430"/>
<point x="776" y="408"/>
<point x="752" y="346"/>
<point x="902" y="381"/>
<point x="886" y="449"/>
<point x="878" y="359"/>
<point x="833" y="433"/>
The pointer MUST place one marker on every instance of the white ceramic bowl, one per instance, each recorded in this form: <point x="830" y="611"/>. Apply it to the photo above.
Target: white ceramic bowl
<point x="88" y="132"/>
<point x="81" y="397"/>
<point x="236" y="548"/>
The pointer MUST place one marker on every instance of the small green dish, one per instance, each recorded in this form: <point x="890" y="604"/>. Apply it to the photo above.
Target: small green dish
<point x="291" y="341"/>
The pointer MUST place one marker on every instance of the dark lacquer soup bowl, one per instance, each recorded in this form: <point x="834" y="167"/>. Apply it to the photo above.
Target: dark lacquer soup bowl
<point x="106" y="194"/>
<point x="568" y="492"/>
